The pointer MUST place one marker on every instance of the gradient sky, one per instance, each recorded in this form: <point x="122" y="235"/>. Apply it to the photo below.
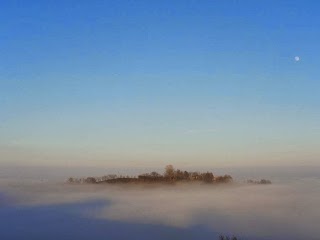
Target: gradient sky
<point x="127" y="83"/>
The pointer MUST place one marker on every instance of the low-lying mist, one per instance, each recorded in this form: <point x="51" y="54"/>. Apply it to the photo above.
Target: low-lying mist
<point x="277" y="211"/>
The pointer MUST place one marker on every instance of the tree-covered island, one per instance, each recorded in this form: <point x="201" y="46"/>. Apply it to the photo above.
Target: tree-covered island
<point x="170" y="175"/>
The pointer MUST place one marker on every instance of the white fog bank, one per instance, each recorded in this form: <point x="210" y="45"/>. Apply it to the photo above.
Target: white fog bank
<point x="265" y="211"/>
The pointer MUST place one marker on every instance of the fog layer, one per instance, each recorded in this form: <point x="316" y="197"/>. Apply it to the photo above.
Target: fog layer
<point x="277" y="211"/>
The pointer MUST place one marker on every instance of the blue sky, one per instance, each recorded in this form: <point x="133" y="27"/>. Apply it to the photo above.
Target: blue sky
<point x="108" y="83"/>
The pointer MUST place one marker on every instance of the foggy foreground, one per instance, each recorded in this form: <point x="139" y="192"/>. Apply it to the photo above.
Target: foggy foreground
<point x="37" y="209"/>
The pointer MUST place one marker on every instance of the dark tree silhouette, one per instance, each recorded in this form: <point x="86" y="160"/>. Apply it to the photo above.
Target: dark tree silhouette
<point x="170" y="176"/>
<point x="169" y="172"/>
<point x="222" y="237"/>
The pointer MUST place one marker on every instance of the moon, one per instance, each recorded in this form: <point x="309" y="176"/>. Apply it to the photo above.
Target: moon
<point x="297" y="58"/>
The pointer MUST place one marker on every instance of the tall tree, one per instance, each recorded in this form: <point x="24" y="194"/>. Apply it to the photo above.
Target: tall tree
<point x="169" y="171"/>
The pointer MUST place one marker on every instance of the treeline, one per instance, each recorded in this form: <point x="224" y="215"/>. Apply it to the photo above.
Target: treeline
<point x="262" y="181"/>
<point x="221" y="237"/>
<point x="170" y="175"/>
